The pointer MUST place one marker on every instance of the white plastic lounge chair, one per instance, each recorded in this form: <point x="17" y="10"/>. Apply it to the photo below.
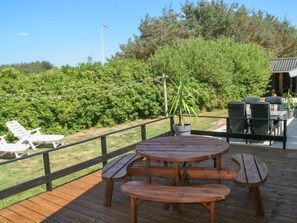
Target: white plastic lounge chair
<point x="18" y="148"/>
<point x="34" y="137"/>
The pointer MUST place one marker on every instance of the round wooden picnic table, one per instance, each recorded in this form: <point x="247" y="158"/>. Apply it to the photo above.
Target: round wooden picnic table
<point x="182" y="148"/>
<point x="179" y="149"/>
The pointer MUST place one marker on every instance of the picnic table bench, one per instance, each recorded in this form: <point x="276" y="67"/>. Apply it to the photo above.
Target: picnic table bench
<point x="253" y="173"/>
<point x="115" y="170"/>
<point x="207" y="195"/>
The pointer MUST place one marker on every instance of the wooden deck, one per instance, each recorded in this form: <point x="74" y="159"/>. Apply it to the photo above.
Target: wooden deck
<point x="81" y="200"/>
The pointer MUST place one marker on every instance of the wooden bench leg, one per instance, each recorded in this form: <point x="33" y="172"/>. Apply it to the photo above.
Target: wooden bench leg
<point x="134" y="203"/>
<point x="212" y="212"/>
<point x="133" y="210"/>
<point x="257" y="201"/>
<point x="108" y="192"/>
<point x="211" y="207"/>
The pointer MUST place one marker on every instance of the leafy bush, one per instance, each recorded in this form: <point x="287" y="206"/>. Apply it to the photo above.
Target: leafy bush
<point x="221" y="70"/>
<point x="70" y="99"/>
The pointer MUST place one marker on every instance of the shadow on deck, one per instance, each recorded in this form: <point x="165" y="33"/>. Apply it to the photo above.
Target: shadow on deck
<point x="81" y="200"/>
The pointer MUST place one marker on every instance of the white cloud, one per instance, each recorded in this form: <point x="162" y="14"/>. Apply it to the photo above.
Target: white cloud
<point x="23" y="34"/>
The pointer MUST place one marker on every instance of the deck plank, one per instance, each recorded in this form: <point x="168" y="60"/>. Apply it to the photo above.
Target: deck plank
<point x="28" y="213"/>
<point x="4" y="220"/>
<point x="14" y="216"/>
<point x="46" y="212"/>
<point x="81" y="200"/>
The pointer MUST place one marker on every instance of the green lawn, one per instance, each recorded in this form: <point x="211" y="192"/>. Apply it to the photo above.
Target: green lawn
<point x="24" y="170"/>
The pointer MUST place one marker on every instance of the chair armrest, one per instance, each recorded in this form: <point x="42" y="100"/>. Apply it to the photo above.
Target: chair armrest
<point x="35" y="130"/>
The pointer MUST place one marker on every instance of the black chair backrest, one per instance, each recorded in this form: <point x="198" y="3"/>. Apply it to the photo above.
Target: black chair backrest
<point x="260" y="115"/>
<point x="275" y="102"/>
<point x="237" y="117"/>
<point x="250" y="100"/>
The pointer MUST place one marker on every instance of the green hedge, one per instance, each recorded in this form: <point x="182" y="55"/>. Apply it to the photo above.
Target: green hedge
<point x="70" y="99"/>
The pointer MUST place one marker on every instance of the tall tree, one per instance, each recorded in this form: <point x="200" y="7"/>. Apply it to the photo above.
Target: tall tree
<point x="211" y="20"/>
<point x="155" y="32"/>
<point x="278" y="37"/>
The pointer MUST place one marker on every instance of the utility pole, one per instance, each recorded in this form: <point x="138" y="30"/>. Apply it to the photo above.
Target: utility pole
<point x="102" y="42"/>
<point x="165" y="94"/>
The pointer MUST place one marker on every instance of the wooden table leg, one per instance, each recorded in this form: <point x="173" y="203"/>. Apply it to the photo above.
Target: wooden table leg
<point x="184" y="180"/>
<point x="219" y="167"/>
<point x="218" y="162"/>
<point x="177" y="183"/>
<point x="148" y="165"/>
<point x="215" y="162"/>
<point x="176" y="174"/>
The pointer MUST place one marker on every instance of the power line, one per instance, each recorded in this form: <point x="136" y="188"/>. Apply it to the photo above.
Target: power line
<point x="39" y="95"/>
<point x="34" y="93"/>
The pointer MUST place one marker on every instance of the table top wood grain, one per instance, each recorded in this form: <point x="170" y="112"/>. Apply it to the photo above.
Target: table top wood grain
<point x="182" y="148"/>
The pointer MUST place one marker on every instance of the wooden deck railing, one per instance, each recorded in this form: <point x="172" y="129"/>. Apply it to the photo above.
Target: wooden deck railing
<point x="49" y="176"/>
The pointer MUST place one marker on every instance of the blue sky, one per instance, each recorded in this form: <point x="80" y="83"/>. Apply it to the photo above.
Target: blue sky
<point x="68" y="31"/>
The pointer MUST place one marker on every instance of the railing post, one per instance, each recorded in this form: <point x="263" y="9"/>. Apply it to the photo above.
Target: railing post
<point x="285" y="134"/>
<point x="103" y="148"/>
<point x="47" y="171"/>
<point x="228" y="129"/>
<point x="143" y="132"/>
<point x="171" y="124"/>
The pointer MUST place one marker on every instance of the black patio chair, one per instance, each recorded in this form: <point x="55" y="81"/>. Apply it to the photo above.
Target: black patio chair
<point x="275" y="103"/>
<point x="260" y="119"/>
<point x="237" y="117"/>
<point x="249" y="100"/>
